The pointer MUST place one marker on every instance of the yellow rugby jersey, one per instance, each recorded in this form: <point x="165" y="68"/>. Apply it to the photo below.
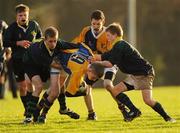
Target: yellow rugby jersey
<point x="78" y="64"/>
<point x="97" y="43"/>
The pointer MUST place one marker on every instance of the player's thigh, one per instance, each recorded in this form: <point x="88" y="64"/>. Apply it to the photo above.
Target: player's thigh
<point x="37" y="82"/>
<point x="63" y="78"/>
<point x="54" y="84"/>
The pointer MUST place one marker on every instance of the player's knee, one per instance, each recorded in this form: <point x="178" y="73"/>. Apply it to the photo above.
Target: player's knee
<point x="148" y="101"/>
<point x="54" y="87"/>
<point x="22" y="87"/>
<point x="53" y="96"/>
<point x="22" y="91"/>
<point x="38" y="89"/>
<point x="108" y="85"/>
<point x="54" y="93"/>
<point x="39" y="86"/>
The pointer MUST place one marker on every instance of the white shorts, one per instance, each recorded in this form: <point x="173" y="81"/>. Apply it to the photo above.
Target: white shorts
<point x="54" y="71"/>
<point x="140" y="82"/>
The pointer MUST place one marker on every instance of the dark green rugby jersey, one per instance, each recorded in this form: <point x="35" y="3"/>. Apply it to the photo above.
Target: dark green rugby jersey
<point x="128" y="59"/>
<point x="16" y="33"/>
<point x="38" y="54"/>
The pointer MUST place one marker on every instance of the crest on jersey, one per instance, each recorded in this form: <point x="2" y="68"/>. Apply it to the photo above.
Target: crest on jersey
<point x="33" y="33"/>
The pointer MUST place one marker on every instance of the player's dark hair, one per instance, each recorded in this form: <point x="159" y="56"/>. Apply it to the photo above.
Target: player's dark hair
<point x="98" y="69"/>
<point x="51" y="32"/>
<point x="21" y="8"/>
<point x="115" y="28"/>
<point x="97" y="15"/>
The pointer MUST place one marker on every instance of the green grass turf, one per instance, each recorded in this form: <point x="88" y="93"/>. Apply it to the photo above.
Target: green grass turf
<point x="109" y="117"/>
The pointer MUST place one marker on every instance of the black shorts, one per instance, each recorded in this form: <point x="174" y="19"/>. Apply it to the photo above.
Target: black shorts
<point x="32" y="70"/>
<point x="18" y="69"/>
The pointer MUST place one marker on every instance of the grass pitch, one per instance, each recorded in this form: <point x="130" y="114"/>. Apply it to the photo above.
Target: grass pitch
<point x="109" y="117"/>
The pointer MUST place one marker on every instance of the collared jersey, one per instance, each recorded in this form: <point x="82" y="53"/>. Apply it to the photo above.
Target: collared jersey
<point x="97" y="43"/>
<point x="128" y="59"/>
<point x="16" y="33"/>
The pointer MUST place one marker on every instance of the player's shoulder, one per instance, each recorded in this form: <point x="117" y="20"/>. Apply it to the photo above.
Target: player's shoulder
<point x="11" y="28"/>
<point x="103" y="33"/>
<point x="86" y="28"/>
<point x="33" y="22"/>
<point x="61" y="41"/>
<point x="37" y="44"/>
<point x="13" y="25"/>
<point x="122" y="44"/>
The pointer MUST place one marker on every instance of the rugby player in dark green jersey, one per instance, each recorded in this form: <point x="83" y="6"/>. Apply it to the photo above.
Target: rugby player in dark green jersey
<point x="38" y="61"/>
<point x="140" y="73"/>
<point x="19" y="36"/>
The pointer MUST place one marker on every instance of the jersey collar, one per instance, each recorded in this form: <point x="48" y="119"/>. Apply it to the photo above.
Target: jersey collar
<point x="117" y="40"/>
<point x="24" y="29"/>
<point x="48" y="49"/>
<point x="97" y="36"/>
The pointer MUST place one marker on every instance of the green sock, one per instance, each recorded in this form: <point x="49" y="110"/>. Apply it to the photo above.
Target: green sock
<point x="46" y="107"/>
<point x="159" y="109"/>
<point x="124" y="99"/>
<point x="62" y="101"/>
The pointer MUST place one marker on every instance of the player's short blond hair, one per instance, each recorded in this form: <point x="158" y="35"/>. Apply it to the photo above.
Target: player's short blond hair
<point x="97" y="69"/>
<point x="21" y="8"/>
<point x="51" y="32"/>
<point x="115" y="28"/>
